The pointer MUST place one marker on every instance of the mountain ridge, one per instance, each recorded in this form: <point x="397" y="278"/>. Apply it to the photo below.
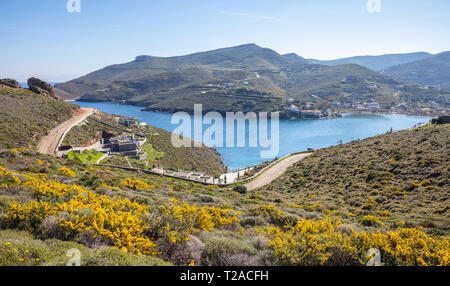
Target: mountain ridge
<point x="432" y="71"/>
<point x="242" y="78"/>
<point x="376" y="62"/>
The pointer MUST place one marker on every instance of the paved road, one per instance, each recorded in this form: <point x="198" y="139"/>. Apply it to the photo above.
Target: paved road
<point x="274" y="172"/>
<point x="50" y="142"/>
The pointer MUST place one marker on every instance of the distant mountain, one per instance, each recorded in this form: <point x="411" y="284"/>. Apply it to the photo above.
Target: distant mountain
<point x="222" y="65"/>
<point x="242" y="78"/>
<point x="376" y="63"/>
<point x="432" y="71"/>
<point x="294" y="56"/>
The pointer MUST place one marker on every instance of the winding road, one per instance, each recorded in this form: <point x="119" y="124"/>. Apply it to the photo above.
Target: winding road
<point x="54" y="138"/>
<point x="275" y="171"/>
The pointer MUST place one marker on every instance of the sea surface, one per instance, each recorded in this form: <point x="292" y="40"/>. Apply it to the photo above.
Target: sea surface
<point x="294" y="136"/>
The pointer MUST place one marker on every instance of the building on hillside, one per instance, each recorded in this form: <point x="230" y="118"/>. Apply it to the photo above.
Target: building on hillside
<point x="294" y="108"/>
<point x="106" y="136"/>
<point x="125" y="145"/>
<point x="373" y="105"/>
<point x="310" y="113"/>
<point x="336" y="103"/>
<point x="130" y="122"/>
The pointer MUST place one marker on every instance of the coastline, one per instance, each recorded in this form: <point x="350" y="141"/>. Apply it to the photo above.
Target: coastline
<point x="282" y="117"/>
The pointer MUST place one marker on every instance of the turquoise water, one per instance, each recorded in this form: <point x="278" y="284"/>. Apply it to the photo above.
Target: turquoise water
<point x="295" y="136"/>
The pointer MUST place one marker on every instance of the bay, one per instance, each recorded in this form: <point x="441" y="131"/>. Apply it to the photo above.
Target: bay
<point x="295" y="136"/>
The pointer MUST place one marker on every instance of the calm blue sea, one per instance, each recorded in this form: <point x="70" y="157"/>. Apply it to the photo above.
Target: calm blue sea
<point x="295" y="136"/>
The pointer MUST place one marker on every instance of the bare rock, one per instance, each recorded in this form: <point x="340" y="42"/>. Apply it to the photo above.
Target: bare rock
<point x="445" y="119"/>
<point x="41" y="87"/>
<point x="10" y="83"/>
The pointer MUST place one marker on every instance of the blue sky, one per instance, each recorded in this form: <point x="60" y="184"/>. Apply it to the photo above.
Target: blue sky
<point x="40" y="38"/>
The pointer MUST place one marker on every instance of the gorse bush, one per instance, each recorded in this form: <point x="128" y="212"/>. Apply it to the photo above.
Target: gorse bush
<point x="67" y="172"/>
<point x="269" y="212"/>
<point x="318" y="242"/>
<point x="370" y="220"/>
<point x="118" y="220"/>
<point x="136" y="185"/>
<point x="52" y="210"/>
<point x="175" y="220"/>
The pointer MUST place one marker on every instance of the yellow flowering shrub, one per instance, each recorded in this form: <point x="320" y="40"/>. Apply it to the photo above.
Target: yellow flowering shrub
<point x="92" y="170"/>
<point x="370" y="220"/>
<point x="426" y="183"/>
<point x="268" y="211"/>
<point x="136" y="185"/>
<point x="4" y="172"/>
<point x="318" y="242"/>
<point x="175" y="220"/>
<point x="43" y="163"/>
<point x="18" y="150"/>
<point x="312" y="208"/>
<point x="67" y="172"/>
<point x="117" y="219"/>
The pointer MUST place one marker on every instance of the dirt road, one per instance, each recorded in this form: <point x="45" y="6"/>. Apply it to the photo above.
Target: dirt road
<point x="276" y="171"/>
<point x="50" y="142"/>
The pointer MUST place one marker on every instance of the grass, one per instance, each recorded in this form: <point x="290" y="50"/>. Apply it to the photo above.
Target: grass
<point x="152" y="154"/>
<point x="20" y="248"/>
<point x="89" y="156"/>
<point x="25" y="117"/>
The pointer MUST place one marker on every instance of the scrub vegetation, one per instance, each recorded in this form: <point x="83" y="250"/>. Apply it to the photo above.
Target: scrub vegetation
<point x="389" y="192"/>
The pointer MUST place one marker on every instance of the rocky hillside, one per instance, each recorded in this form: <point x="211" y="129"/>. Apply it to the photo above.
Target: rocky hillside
<point x="402" y="177"/>
<point x="26" y="116"/>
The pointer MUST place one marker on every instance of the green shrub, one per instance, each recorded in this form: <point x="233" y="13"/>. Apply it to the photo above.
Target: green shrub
<point x="221" y="251"/>
<point x="108" y="256"/>
<point x="240" y="189"/>
<point x="25" y="250"/>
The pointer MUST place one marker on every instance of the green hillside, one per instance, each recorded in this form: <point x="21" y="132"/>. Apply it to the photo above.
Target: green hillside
<point x="329" y="210"/>
<point x="432" y="71"/>
<point x="402" y="177"/>
<point x="244" y="78"/>
<point x="376" y="63"/>
<point x="203" y="159"/>
<point x="25" y="117"/>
